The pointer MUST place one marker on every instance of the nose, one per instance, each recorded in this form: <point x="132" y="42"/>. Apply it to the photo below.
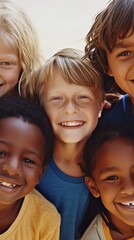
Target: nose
<point x="128" y="186"/>
<point x="70" y="107"/>
<point x="11" y="167"/>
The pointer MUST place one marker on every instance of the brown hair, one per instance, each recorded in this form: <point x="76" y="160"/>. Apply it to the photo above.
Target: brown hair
<point x="115" y="22"/>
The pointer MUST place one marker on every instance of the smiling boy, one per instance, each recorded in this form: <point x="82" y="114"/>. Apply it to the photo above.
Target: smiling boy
<point x="25" y="149"/>
<point x="110" y="46"/>
<point x="70" y="90"/>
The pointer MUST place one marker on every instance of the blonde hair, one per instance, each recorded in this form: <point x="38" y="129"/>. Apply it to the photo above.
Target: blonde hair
<point x="17" y="31"/>
<point x="115" y="21"/>
<point x="74" y="69"/>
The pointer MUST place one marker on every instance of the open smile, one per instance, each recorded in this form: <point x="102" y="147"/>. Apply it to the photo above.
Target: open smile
<point x="72" y="123"/>
<point x="7" y="185"/>
<point x="128" y="204"/>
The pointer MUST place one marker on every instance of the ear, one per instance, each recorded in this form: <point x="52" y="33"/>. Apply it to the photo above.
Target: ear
<point x="42" y="170"/>
<point x="101" y="108"/>
<point x="92" y="187"/>
<point x="109" y="72"/>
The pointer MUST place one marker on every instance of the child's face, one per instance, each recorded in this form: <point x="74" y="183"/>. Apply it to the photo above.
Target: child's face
<point x="9" y="69"/>
<point x="21" y="158"/>
<point x="72" y="109"/>
<point x="114" y="179"/>
<point x="121" y="64"/>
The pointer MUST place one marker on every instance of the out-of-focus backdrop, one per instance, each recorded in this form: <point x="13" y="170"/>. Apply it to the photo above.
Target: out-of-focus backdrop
<point x="61" y="23"/>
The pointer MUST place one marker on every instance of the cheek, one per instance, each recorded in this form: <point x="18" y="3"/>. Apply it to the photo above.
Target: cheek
<point x="107" y="193"/>
<point x="34" y="176"/>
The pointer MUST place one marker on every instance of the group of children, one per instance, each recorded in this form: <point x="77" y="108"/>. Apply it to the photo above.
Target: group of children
<point x="58" y="142"/>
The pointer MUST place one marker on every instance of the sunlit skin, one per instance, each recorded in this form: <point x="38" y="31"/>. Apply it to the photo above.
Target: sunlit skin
<point x="73" y="111"/>
<point x="121" y="64"/>
<point x="113" y="180"/>
<point x="22" y="154"/>
<point x="10" y="69"/>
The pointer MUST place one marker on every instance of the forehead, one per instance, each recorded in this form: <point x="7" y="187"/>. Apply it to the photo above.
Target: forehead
<point x="125" y="42"/>
<point x="17" y="128"/>
<point x="114" y="153"/>
<point x="59" y="82"/>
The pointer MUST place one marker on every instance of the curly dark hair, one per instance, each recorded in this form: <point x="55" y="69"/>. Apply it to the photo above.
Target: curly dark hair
<point x="19" y="107"/>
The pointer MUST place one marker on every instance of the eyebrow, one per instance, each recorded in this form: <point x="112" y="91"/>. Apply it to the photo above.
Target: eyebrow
<point x="34" y="153"/>
<point x="3" y="142"/>
<point x="123" y="45"/>
<point x="109" y="169"/>
<point x="28" y="150"/>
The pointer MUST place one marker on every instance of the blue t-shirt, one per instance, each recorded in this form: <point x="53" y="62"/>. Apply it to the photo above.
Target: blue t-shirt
<point x="71" y="197"/>
<point x="120" y="115"/>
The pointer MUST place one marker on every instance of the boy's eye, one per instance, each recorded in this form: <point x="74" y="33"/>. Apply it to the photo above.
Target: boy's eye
<point x="27" y="160"/>
<point x="83" y="97"/>
<point x="2" y="154"/>
<point x="125" y="53"/>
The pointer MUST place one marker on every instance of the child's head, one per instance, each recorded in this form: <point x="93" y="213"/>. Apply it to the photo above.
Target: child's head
<point x="19" y="49"/>
<point x="25" y="146"/>
<point x="109" y="157"/>
<point x="70" y="89"/>
<point x="110" y="43"/>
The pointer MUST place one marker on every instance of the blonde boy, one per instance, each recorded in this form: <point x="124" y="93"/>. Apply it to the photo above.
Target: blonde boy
<point x="70" y="90"/>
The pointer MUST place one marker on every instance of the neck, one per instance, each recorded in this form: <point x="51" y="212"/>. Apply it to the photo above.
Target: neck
<point x="68" y="157"/>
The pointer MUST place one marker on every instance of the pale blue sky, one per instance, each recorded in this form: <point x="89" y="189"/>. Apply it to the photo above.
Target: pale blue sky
<point x="61" y="23"/>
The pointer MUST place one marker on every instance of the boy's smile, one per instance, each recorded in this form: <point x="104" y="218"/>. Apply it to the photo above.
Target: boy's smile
<point x="73" y="110"/>
<point x="21" y="158"/>
<point x="121" y="64"/>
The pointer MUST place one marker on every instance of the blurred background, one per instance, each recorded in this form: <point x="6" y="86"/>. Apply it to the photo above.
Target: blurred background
<point x="61" y="23"/>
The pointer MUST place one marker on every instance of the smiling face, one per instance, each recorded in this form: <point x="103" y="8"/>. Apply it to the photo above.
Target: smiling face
<point x="21" y="158"/>
<point x="73" y="110"/>
<point x="121" y="64"/>
<point x="10" y="69"/>
<point x="113" y="176"/>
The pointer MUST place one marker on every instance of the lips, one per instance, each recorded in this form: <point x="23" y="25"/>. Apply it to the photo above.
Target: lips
<point x="127" y="204"/>
<point x="7" y="185"/>
<point x="72" y="123"/>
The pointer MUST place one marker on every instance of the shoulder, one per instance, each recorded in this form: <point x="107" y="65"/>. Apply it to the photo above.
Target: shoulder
<point x="44" y="208"/>
<point x="119" y="114"/>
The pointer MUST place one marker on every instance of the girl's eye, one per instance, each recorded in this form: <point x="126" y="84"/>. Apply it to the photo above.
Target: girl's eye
<point x="112" y="178"/>
<point x="57" y="98"/>
<point x="4" y="63"/>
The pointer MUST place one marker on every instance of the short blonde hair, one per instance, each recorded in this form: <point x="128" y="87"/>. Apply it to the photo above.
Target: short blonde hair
<point x="17" y="31"/>
<point x="74" y="69"/>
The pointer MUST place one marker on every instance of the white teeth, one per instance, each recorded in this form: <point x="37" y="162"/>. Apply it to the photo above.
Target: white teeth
<point x="128" y="204"/>
<point x="7" y="184"/>
<point x="71" y="124"/>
